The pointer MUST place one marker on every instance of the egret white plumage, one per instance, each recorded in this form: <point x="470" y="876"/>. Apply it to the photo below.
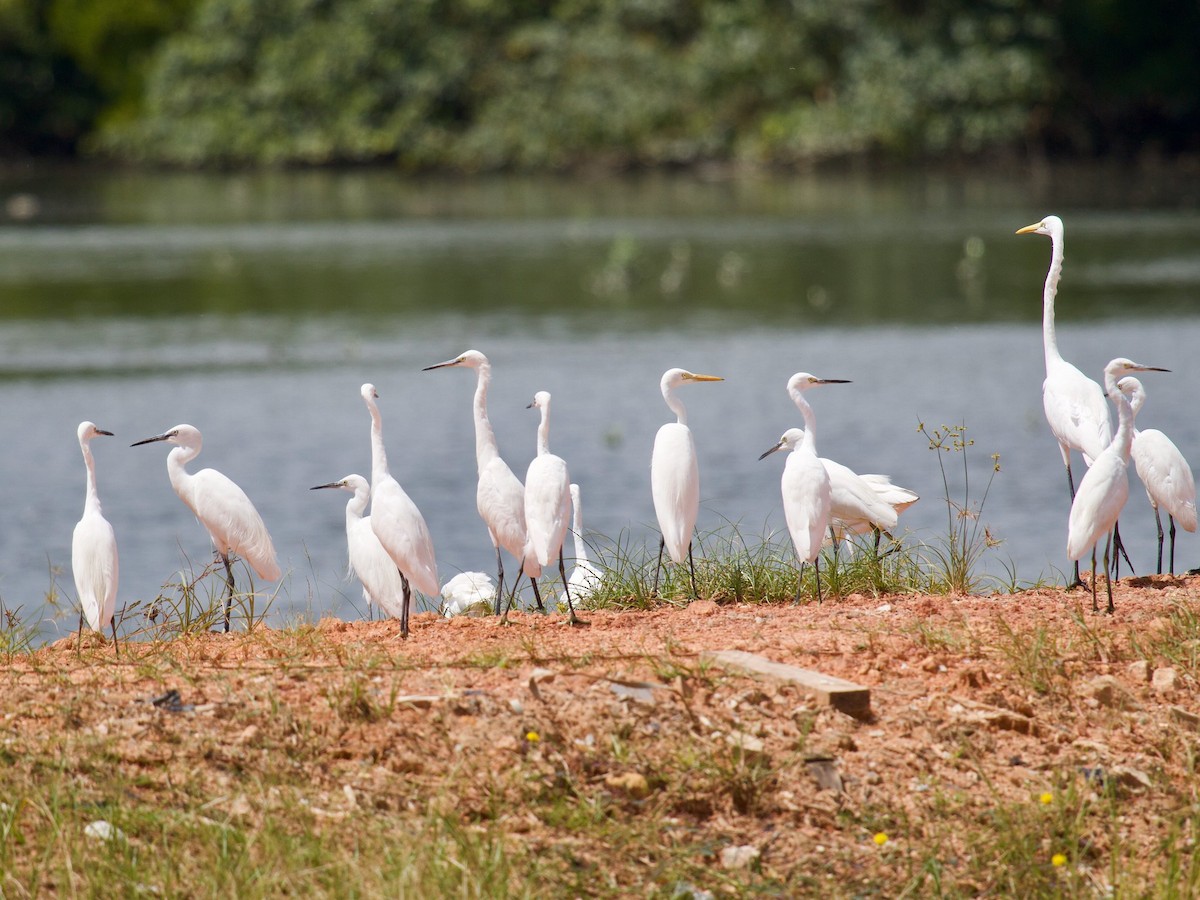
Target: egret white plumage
<point x="1074" y="404"/>
<point x="585" y="577"/>
<point x="371" y="564"/>
<point x="1104" y="488"/>
<point x="675" y="476"/>
<point x="1164" y="473"/>
<point x="222" y="507"/>
<point x="548" y="500"/>
<point x="468" y="594"/>
<point x="806" y="498"/>
<point x="500" y="496"/>
<point x="898" y="498"/>
<point x="94" y="561"/>
<point x="397" y="521"/>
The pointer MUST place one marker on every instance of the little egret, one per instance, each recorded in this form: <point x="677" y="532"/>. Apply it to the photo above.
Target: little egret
<point x="675" y="476"/>
<point x="806" y="498"/>
<point x="1104" y="488"/>
<point x="370" y="563"/>
<point x="468" y="594"/>
<point x="548" y="500"/>
<point x="222" y="507"/>
<point x="397" y="522"/>
<point x="1075" y="406"/>
<point x="500" y="496"/>
<point x="1164" y="473"/>
<point x="585" y="578"/>
<point x="898" y="498"/>
<point x="94" y="550"/>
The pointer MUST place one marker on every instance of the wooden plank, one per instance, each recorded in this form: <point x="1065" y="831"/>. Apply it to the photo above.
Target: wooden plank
<point x="846" y="696"/>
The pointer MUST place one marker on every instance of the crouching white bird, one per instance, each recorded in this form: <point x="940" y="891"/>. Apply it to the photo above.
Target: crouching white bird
<point x="94" y="550"/>
<point x="806" y="499"/>
<point x="548" y="501"/>
<point x="1164" y="473"/>
<point x="222" y="507"/>
<point x="585" y="577"/>
<point x="397" y="522"/>
<point x="1104" y="488"/>
<point x="675" y="476"/>
<point x="380" y="579"/>
<point x="468" y="594"/>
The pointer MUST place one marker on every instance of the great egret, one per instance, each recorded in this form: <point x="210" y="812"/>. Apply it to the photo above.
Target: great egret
<point x="548" y="500"/>
<point x="1104" y="488"/>
<point x="94" y="550"/>
<point x="222" y="507"/>
<point x="1075" y="406"/>
<point x="381" y="583"/>
<point x="500" y="496"/>
<point x="675" y="476"/>
<point x="1164" y="473"/>
<point x="397" y="522"/>
<point x="468" y="594"/>
<point x="806" y="498"/>
<point x="585" y="578"/>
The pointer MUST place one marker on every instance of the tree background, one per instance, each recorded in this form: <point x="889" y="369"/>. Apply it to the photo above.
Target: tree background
<point x="485" y="85"/>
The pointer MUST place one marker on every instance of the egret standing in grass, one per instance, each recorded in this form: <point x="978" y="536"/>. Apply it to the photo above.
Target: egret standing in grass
<point x="1104" y="488"/>
<point x="1075" y="406"/>
<point x="94" y="550"/>
<point x="548" y="500"/>
<point x="500" y="496"/>
<point x="675" y="476"/>
<point x="222" y="507"/>
<point x="898" y="498"/>
<point x="806" y="499"/>
<point x="370" y="563"/>
<point x="397" y="522"/>
<point x="585" y="578"/>
<point x="1165" y="474"/>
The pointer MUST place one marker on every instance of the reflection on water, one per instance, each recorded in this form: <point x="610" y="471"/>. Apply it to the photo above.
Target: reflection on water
<point x="253" y="307"/>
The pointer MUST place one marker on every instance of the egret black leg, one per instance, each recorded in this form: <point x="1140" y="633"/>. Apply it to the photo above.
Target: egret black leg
<point x="817" y="569"/>
<point x="1078" y="582"/>
<point x="662" y="543"/>
<point x="406" y="599"/>
<point x="1119" y="551"/>
<point x="1158" y="525"/>
<point x="116" y="646"/>
<point x="500" y="580"/>
<point x="1108" y="581"/>
<point x="692" y="569"/>
<point x="537" y="595"/>
<point x="1095" y="607"/>
<point x="229" y="595"/>
<point x="79" y="646"/>
<point x="1171" y="522"/>
<point x="562" y="571"/>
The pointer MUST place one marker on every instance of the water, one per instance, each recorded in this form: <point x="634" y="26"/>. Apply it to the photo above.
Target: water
<point x="254" y="306"/>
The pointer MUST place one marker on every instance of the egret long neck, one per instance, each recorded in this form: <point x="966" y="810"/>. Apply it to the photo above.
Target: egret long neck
<point x="1123" y="440"/>
<point x="1049" y="292"/>
<point x="810" y="420"/>
<point x="485" y="439"/>
<point x="676" y="405"/>
<point x="577" y="534"/>
<point x="180" y="477"/>
<point x="379" y="463"/>
<point x="357" y="505"/>
<point x="91" y="499"/>
<point x="543" y="443"/>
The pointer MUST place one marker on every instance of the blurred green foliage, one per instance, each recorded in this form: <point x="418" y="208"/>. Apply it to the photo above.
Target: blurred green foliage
<point x="476" y="85"/>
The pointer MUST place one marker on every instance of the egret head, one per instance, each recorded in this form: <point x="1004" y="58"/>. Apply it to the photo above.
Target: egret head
<point x="1121" y="367"/>
<point x="355" y="484"/>
<point x="180" y="436"/>
<point x="368" y="392"/>
<point x="1051" y="225"/>
<point x="802" y="381"/>
<point x="541" y="400"/>
<point x="471" y="359"/>
<point x="1132" y="389"/>
<point x="88" y="430"/>
<point x="672" y="378"/>
<point x="790" y="441"/>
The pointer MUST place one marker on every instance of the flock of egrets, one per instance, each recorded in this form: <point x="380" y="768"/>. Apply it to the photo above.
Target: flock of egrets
<point x="391" y="551"/>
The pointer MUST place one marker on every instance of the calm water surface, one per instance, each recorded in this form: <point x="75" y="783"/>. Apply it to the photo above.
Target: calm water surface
<point x="254" y="307"/>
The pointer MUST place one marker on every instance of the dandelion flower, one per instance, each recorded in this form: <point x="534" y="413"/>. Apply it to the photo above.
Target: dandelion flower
<point x="1046" y="799"/>
<point x="880" y="838"/>
<point x="1058" y="859"/>
<point x="533" y="737"/>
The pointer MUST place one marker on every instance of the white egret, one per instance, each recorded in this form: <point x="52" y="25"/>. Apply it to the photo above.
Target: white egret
<point x="468" y="594"/>
<point x="1165" y="474"/>
<point x="500" y="496"/>
<point x="898" y="498"/>
<point x="1104" y="488"/>
<point x="806" y="498"/>
<point x="222" y="507"/>
<point x="397" y="522"/>
<point x="548" y="500"/>
<point x="675" y="476"/>
<point x="94" y="550"/>
<point x="1074" y="404"/>
<point x="585" y="578"/>
<point x="381" y="583"/>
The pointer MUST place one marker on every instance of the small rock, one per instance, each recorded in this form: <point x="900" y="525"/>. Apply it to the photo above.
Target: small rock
<point x="928" y="664"/>
<point x="1105" y="689"/>
<point x="1164" y="680"/>
<point x="1131" y="777"/>
<point x="1140" y="671"/>
<point x="739" y="857"/>
<point x="249" y="733"/>
<point x="103" y="831"/>
<point x="632" y="783"/>
<point x="846" y="742"/>
<point x="703" y="608"/>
